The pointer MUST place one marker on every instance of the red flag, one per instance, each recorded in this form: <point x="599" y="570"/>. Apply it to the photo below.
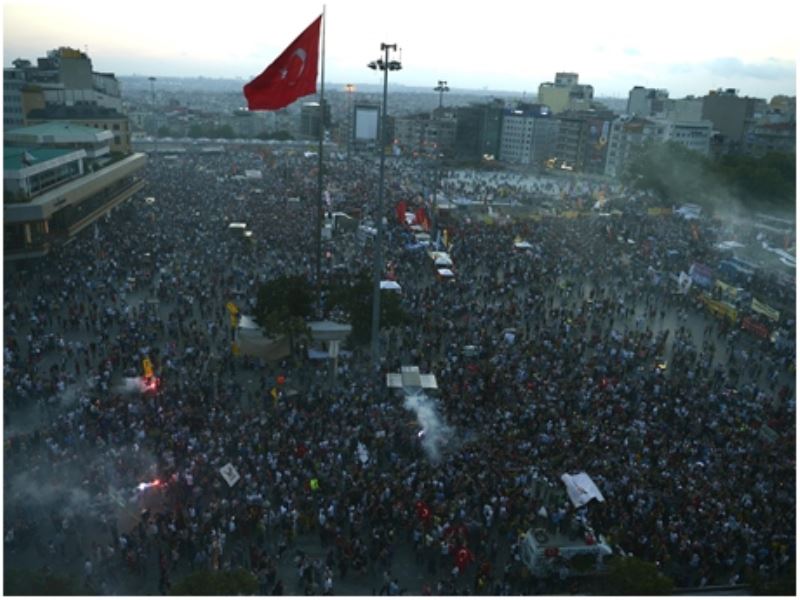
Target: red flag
<point x="420" y="216"/>
<point x="400" y="207"/>
<point x="290" y="76"/>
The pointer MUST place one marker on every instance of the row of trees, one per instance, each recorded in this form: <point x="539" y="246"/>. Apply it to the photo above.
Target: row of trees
<point x="677" y="174"/>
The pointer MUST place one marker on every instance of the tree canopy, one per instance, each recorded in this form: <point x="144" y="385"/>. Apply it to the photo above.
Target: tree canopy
<point x="281" y="300"/>
<point x="677" y="174"/>
<point x="21" y="582"/>
<point x="629" y="576"/>
<point x="355" y="298"/>
<point x="219" y="583"/>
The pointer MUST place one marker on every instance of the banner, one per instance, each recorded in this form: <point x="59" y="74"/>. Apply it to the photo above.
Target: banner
<point x="765" y="310"/>
<point x="230" y="474"/>
<point x="726" y="288"/>
<point x="659" y="212"/>
<point x="701" y="274"/>
<point x="755" y="327"/>
<point x="720" y="309"/>
<point x="581" y="489"/>
<point x="684" y="282"/>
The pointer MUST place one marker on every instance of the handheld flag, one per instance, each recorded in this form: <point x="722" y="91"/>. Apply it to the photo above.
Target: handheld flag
<point x="290" y="76"/>
<point x="147" y="367"/>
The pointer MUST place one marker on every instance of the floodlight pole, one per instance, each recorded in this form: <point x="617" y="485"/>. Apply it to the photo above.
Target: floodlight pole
<point x="384" y="65"/>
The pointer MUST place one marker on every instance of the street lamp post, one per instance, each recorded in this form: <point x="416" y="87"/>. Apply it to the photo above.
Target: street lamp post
<point x="385" y="65"/>
<point x="441" y="88"/>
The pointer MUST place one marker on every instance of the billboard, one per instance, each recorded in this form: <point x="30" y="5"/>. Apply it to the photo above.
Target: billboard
<point x="366" y="122"/>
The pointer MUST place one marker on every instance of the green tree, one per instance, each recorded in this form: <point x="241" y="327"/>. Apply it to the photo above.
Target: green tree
<point x="355" y="298"/>
<point x="225" y="131"/>
<point x="281" y="135"/>
<point x="163" y="131"/>
<point x="783" y="585"/>
<point x="196" y="131"/>
<point x="669" y="169"/>
<point x="635" y="577"/>
<point x="23" y="582"/>
<point x="219" y="583"/>
<point x="283" y="305"/>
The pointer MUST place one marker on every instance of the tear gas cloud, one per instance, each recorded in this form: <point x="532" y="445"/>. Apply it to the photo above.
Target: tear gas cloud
<point x="435" y="432"/>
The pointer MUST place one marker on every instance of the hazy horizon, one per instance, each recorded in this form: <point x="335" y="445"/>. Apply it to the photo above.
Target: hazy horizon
<point x="509" y="46"/>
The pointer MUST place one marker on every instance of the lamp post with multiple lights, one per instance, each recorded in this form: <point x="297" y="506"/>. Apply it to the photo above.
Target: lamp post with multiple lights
<point x="441" y="88"/>
<point x="385" y="65"/>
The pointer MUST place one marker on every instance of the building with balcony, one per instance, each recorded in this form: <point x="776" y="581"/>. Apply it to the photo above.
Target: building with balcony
<point x="583" y="140"/>
<point x="763" y="138"/>
<point x="57" y="180"/>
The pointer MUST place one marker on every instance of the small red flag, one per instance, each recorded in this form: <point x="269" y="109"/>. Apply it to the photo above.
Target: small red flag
<point x="400" y="207"/>
<point x="290" y="76"/>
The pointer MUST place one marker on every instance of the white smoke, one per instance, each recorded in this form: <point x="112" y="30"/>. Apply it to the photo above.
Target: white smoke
<point x="435" y="432"/>
<point x="131" y="385"/>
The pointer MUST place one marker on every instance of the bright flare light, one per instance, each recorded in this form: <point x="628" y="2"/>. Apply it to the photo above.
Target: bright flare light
<point x="143" y="486"/>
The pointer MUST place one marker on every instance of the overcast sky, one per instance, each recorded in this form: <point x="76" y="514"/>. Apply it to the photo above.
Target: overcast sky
<point x="687" y="47"/>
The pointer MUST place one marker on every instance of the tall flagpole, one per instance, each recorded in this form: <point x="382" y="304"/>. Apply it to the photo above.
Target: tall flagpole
<point x="319" y="171"/>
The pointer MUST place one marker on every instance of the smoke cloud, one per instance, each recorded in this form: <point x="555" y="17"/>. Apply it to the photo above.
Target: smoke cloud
<point x="435" y="432"/>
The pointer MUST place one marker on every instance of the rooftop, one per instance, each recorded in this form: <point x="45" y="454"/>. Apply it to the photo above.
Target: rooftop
<point x="83" y="111"/>
<point x="57" y="132"/>
<point x="14" y="158"/>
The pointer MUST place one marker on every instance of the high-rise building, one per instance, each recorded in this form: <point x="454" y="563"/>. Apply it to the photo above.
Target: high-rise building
<point x="425" y="134"/>
<point x="478" y="130"/>
<point x="731" y="115"/>
<point x="65" y="77"/>
<point x="583" y="140"/>
<point x="628" y="134"/>
<point x="13" y="83"/>
<point x="644" y="102"/>
<point x="528" y="135"/>
<point x="566" y="93"/>
<point x="310" y="119"/>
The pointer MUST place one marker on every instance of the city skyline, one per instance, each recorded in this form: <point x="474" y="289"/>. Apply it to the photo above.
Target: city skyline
<point x="688" y="50"/>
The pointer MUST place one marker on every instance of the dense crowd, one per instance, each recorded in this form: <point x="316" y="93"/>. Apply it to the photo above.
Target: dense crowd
<point x="609" y="371"/>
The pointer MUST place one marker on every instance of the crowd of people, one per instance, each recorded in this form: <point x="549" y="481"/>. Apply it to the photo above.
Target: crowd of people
<point x="685" y="422"/>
